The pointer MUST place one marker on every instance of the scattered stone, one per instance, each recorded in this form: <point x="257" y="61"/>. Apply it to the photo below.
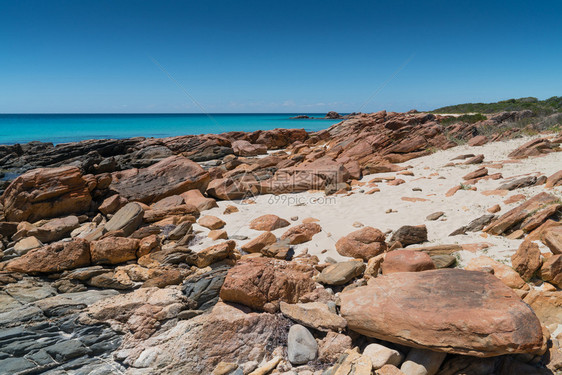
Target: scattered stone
<point x="554" y="180"/>
<point x="495" y="208"/>
<point x="364" y="243"/>
<point x="551" y="270"/>
<point x="518" y="183"/>
<point x="218" y="234"/>
<point x="230" y="210"/>
<point x="26" y="244"/>
<point x="480" y="172"/>
<point x="448" y="310"/>
<point x="527" y="260"/>
<point x="301" y="345"/>
<point x="196" y="198"/>
<point x="434" y="216"/>
<point x="341" y="273"/>
<point x="503" y="272"/>
<point x="112" y="204"/>
<point x="268" y="223"/>
<point x="332" y="346"/>
<point x="552" y="237"/>
<point x="211" y="222"/>
<point x="114" y="250"/>
<point x="258" y="243"/>
<point x="475" y="160"/>
<point x="410" y="235"/>
<point x="214" y="253"/>
<point x="301" y="233"/>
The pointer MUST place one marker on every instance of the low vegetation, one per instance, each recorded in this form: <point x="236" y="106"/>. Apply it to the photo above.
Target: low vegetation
<point x="539" y="107"/>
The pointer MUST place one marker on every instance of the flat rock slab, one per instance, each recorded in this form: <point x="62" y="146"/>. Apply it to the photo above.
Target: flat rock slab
<point x="447" y="310"/>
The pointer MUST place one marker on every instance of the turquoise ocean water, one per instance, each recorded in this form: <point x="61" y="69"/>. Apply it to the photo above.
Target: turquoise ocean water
<point x="61" y="128"/>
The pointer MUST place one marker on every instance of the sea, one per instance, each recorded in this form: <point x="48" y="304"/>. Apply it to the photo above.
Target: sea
<point x="63" y="128"/>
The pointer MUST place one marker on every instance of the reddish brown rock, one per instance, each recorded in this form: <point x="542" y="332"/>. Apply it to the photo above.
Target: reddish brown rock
<point x="56" y="257"/>
<point x="447" y="310"/>
<point x="214" y="253"/>
<point x="479" y="140"/>
<point x="112" y="204"/>
<point x="364" y="243"/>
<point x="527" y="260"/>
<point x="211" y="222"/>
<point x="503" y="272"/>
<point x="197" y="199"/>
<point x="261" y="283"/>
<point x="510" y="219"/>
<point x="152" y="216"/>
<point x="114" y="250"/>
<point x="554" y="180"/>
<point x="551" y="270"/>
<point x="406" y="261"/>
<point x="226" y="189"/>
<point x="258" y="243"/>
<point x="45" y="193"/>
<point x="552" y="237"/>
<point x="547" y="305"/>
<point x="171" y="176"/>
<point x="535" y="147"/>
<point x="268" y="223"/>
<point x="301" y="233"/>
<point x="169" y="202"/>
<point x="480" y="172"/>
<point x="245" y="148"/>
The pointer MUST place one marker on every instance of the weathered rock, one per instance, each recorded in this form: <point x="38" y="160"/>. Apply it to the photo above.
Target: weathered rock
<point x="534" y="147"/>
<point x="332" y="346"/>
<point x="554" y="180"/>
<point x="422" y="362"/>
<point x="551" y="270"/>
<point x="514" y="217"/>
<point x="518" y="183"/>
<point x="480" y="172"/>
<point x="448" y="310"/>
<point x="503" y="272"/>
<point x="341" y="273"/>
<point x="197" y="199"/>
<point x="301" y="345"/>
<point x="226" y="189"/>
<point x="527" y="260"/>
<point x="218" y="234"/>
<point x="183" y="210"/>
<point x="112" y="204"/>
<point x="381" y="355"/>
<point x="410" y="235"/>
<point x="56" y="257"/>
<point x="406" y="261"/>
<point x="211" y="222"/>
<point x="45" y="193"/>
<point x="127" y="219"/>
<point x="364" y="243"/>
<point x="26" y="244"/>
<point x="351" y="363"/>
<point x="268" y="223"/>
<point x="315" y="315"/>
<point x="552" y="237"/>
<point x="171" y="176"/>
<point x="197" y="345"/>
<point x="114" y="250"/>
<point x="547" y="305"/>
<point x="434" y="216"/>
<point x="258" y="243"/>
<point x="261" y="283"/>
<point x="214" y="253"/>
<point x="55" y="229"/>
<point x="301" y="233"/>
<point x="245" y="148"/>
<point x="203" y="289"/>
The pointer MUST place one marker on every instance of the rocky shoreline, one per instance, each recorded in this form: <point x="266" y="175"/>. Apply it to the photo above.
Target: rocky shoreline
<point x="169" y="256"/>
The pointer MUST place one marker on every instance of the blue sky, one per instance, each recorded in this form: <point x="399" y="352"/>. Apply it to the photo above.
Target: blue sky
<point x="274" y="56"/>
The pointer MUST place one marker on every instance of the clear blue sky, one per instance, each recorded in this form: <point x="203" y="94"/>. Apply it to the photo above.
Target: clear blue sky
<point x="274" y="56"/>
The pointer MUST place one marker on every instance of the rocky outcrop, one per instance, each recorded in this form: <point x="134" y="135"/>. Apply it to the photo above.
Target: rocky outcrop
<point x="448" y="310"/>
<point x="46" y="193"/>
<point x="171" y="176"/>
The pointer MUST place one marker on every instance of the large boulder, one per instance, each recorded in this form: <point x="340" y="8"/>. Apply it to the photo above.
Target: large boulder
<point x="406" y="261"/>
<point x="171" y="176"/>
<point x="45" y="193"/>
<point x="56" y="257"/>
<point x="364" y="243"/>
<point x="114" y="250"/>
<point x="261" y="283"/>
<point x="447" y="310"/>
<point x="268" y="223"/>
<point x="410" y="235"/>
